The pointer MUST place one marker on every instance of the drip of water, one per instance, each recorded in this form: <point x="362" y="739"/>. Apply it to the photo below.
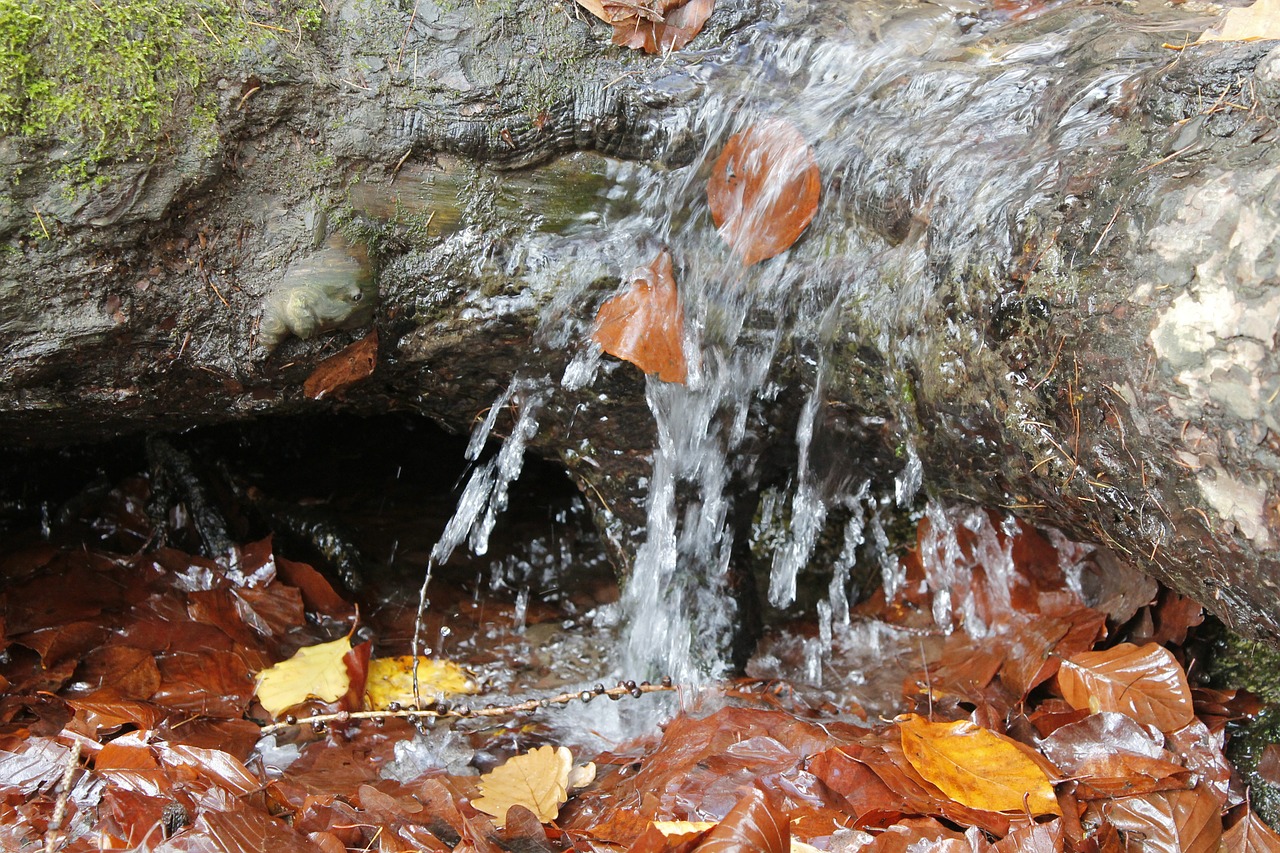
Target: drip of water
<point x="521" y="609"/>
<point x="808" y="513"/>
<point x="909" y="480"/>
<point x="892" y="573"/>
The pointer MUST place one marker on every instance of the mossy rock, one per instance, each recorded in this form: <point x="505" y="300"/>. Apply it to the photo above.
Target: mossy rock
<point x="108" y="77"/>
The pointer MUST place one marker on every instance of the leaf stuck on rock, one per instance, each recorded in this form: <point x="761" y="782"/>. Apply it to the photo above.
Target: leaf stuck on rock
<point x="764" y="190"/>
<point x="645" y="325"/>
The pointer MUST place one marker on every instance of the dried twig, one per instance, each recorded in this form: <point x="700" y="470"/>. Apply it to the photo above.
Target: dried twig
<point x="426" y="716"/>
<point x="64" y="794"/>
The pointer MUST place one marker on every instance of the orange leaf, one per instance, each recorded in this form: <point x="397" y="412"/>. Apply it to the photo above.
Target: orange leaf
<point x="764" y="190"/>
<point x="339" y="371"/>
<point x="1171" y="821"/>
<point x="977" y="767"/>
<point x="645" y="325"/>
<point x="1144" y="682"/>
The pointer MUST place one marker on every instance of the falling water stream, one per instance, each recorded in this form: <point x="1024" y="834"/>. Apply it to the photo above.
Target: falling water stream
<point x="936" y="128"/>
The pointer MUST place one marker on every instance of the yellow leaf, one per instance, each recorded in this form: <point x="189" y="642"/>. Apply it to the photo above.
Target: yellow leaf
<point x="1259" y="21"/>
<point x="977" y="767"/>
<point x="537" y="780"/>
<point x="313" y="672"/>
<point x="582" y="776"/>
<point x="391" y="680"/>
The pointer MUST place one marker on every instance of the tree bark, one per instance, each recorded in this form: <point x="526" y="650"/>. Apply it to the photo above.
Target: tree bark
<point x="1062" y="294"/>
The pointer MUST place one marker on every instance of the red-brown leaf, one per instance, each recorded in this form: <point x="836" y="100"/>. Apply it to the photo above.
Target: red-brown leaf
<point x="654" y="840"/>
<point x="1144" y="682"/>
<point x="244" y="830"/>
<point x="645" y="325"/>
<point x="1171" y="821"/>
<point x="129" y="672"/>
<point x="1032" y="838"/>
<point x="671" y="30"/>
<point x="752" y="826"/>
<point x="317" y="593"/>
<point x="344" y="369"/>
<point x="1250" y="835"/>
<point x="764" y="190"/>
<point x="1110" y="755"/>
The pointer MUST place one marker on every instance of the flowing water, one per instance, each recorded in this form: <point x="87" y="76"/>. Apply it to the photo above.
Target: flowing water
<point x="937" y="129"/>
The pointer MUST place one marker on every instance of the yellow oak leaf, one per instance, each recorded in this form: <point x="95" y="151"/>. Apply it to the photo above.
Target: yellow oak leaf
<point x="391" y="680"/>
<point x="537" y="780"/>
<point x="1250" y="23"/>
<point x="977" y="767"/>
<point x="313" y="672"/>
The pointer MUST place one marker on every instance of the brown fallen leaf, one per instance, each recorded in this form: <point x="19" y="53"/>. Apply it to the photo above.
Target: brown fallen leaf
<point x="1144" y="682"/>
<point x="1170" y="821"/>
<point x="1250" y="835"/>
<point x="537" y="780"/>
<point x="764" y="189"/>
<point x="645" y="325"/>
<point x="977" y="767"/>
<point x="344" y="369"/>
<point x="1251" y="23"/>
<point x="752" y="824"/>
<point x="655" y="26"/>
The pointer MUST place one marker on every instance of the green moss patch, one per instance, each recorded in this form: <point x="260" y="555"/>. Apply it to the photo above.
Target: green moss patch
<point x="106" y="74"/>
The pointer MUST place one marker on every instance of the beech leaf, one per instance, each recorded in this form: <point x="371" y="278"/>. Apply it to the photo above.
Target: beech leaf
<point x="751" y="825"/>
<point x="1259" y="21"/>
<point x="391" y="680"/>
<point x="764" y="190"/>
<point x="977" y="767"/>
<point x="1145" y="682"/>
<point x="1171" y="821"/>
<point x="1250" y="835"/>
<point x="655" y="26"/>
<point x="645" y="325"/>
<point x="537" y="780"/>
<point x="313" y="672"/>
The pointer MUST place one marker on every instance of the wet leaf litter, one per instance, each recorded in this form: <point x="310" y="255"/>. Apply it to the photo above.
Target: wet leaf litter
<point x="981" y="755"/>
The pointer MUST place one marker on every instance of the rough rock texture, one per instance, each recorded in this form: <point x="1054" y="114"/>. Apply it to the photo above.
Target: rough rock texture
<point x="1054" y="282"/>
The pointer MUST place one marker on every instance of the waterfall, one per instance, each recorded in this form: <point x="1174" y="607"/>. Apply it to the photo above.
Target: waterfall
<point x="989" y="119"/>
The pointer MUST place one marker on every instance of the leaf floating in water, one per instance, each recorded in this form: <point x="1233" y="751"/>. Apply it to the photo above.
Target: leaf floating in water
<point x="654" y="26"/>
<point x="313" y="672"/>
<point x="537" y="780"/>
<point x="1259" y="21"/>
<point x="645" y="325"/>
<point x="977" y="767"/>
<point x="391" y="680"/>
<point x="764" y="190"/>
<point x="1145" y="682"/>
